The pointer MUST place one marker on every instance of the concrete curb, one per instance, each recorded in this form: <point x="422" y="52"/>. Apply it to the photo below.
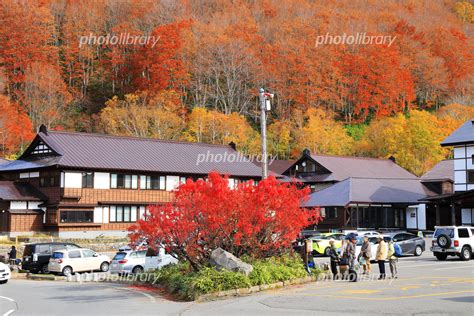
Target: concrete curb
<point x="254" y="289"/>
<point x="38" y="277"/>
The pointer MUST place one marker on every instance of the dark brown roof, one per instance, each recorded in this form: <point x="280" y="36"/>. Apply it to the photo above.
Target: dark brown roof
<point x="343" y="167"/>
<point x="442" y="171"/>
<point x="19" y="191"/>
<point x="107" y="152"/>
<point x="370" y="190"/>
<point x="277" y="167"/>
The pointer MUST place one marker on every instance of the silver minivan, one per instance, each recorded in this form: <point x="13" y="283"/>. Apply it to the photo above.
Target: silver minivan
<point x="128" y="261"/>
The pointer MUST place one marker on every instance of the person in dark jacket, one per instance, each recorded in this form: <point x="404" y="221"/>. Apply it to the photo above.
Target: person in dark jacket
<point x="349" y="252"/>
<point x="12" y="255"/>
<point x="334" y="257"/>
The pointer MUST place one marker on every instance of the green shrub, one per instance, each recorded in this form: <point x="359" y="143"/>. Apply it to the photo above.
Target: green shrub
<point x="183" y="282"/>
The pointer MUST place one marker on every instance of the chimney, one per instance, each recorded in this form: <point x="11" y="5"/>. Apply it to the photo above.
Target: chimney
<point x="233" y="146"/>
<point x="392" y="159"/>
<point x="43" y="129"/>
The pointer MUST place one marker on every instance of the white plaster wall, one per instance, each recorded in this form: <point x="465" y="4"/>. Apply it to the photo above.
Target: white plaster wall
<point x="105" y="214"/>
<point x="459" y="152"/>
<point x="98" y="214"/>
<point x="460" y="176"/>
<point x="101" y="180"/>
<point x="73" y="180"/>
<point x="18" y="205"/>
<point x="172" y="182"/>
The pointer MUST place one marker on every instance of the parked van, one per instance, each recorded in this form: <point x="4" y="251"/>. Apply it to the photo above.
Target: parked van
<point x="36" y="256"/>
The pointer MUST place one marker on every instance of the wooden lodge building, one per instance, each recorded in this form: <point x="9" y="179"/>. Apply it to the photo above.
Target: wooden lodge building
<point x="86" y="185"/>
<point x="359" y="192"/>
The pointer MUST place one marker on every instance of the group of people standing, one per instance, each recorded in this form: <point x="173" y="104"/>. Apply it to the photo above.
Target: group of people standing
<point x="346" y="256"/>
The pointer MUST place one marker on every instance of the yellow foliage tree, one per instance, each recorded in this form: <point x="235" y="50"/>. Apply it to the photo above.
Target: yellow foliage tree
<point x="321" y="134"/>
<point x="134" y="116"/>
<point x="414" y="141"/>
<point x="280" y="139"/>
<point x="213" y="127"/>
<point x="465" y="11"/>
<point x="452" y="116"/>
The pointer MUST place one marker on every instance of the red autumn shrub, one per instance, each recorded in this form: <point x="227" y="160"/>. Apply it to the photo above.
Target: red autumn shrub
<point x="256" y="220"/>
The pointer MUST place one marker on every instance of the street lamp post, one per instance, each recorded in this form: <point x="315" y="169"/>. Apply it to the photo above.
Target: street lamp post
<point x="265" y="106"/>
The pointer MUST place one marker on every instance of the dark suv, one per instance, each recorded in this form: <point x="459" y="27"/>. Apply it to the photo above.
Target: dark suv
<point x="36" y="256"/>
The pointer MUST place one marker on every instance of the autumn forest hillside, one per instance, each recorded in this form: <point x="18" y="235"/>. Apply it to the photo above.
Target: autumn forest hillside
<point x="199" y="81"/>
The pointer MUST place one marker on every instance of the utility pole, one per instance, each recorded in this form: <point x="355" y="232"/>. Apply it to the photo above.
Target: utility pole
<point x="265" y="106"/>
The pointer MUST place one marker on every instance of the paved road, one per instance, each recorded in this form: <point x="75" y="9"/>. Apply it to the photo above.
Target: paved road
<point x="425" y="286"/>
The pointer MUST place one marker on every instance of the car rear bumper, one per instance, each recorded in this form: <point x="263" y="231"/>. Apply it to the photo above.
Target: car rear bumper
<point x="54" y="268"/>
<point x="118" y="269"/>
<point x="452" y="250"/>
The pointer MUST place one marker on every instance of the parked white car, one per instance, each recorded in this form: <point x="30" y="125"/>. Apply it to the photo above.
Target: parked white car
<point x="369" y="233"/>
<point x="5" y="273"/>
<point x="77" y="260"/>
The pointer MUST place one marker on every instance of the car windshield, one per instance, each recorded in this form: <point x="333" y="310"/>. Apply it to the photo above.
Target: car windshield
<point x="445" y="231"/>
<point x="120" y="255"/>
<point x="57" y="255"/>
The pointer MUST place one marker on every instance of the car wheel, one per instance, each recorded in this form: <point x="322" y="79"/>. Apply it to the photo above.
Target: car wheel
<point x="104" y="267"/>
<point x="444" y="241"/>
<point x="327" y="251"/>
<point x="441" y="256"/>
<point x="466" y="254"/>
<point x="137" y="270"/>
<point x="44" y="269"/>
<point x="67" y="271"/>
<point x="418" y="251"/>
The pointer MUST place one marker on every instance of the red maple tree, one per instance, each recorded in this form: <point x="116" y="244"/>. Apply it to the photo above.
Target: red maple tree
<point x="255" y="220"/>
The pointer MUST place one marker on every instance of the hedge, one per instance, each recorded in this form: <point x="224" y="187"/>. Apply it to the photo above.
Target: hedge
<point x="186" y="284"/>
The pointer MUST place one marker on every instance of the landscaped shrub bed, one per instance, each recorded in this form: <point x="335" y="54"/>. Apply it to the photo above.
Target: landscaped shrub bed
<point x="185" y="283"/>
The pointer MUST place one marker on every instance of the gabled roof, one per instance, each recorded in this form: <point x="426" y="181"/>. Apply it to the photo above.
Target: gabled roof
<point x="370" y="190"/>
<point x="442" y="171"/>
<point x="343" y="167"/>
<point x="107" y="152"/>
<point x="463" y="135"/>
<point x="19" y="191"/>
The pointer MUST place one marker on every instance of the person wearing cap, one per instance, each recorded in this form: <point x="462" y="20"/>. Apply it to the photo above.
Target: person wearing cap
<point x="381" y="256"/>
<point x="334" y="257"/>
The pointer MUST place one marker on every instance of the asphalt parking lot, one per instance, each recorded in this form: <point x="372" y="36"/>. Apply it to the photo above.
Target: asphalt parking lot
<point x="425" y="286"/>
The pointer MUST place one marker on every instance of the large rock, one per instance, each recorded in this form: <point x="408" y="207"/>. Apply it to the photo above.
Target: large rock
<point x="222" y="259"/>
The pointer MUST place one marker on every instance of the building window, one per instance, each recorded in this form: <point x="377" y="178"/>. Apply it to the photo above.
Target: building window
<point x="470" y="176"/>
<point x="123" y="214"/>
<point x="49" y="179"/>
<point x="87" y="179"/>
<point x="153" y="182"/>
<point x="123" y="181"/>
<point x="77" y="216"/>
<point x="182" y="180"/>
<point x="41" y="148"/>
<point x="330" y="213"/>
